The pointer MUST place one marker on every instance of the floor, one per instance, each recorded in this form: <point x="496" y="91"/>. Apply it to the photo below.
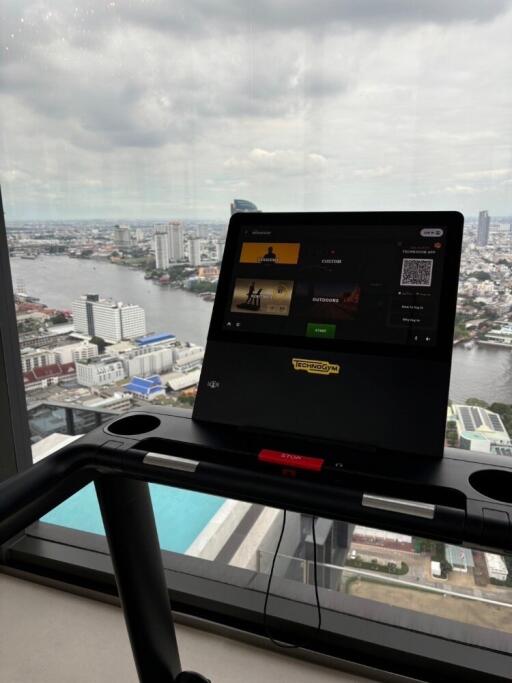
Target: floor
<point x="50" y="636"/>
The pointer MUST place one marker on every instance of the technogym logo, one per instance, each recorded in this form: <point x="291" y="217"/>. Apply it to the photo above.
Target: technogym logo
<point x="315" y="367"/>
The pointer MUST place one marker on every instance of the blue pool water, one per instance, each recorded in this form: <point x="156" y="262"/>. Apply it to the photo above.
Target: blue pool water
<point x="180" y="515"/>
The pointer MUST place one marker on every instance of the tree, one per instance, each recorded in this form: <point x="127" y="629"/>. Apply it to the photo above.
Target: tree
<point x="452" y="436"/>
<point x="504" y="410"/>
<point x="460" y="331"/>
<point x="477" y="402"/>
<point x="100" y="343"/>
<point x="201" y="286"/>
<point x="480" y="275"/>
<point x="58" y="319"/>
<point x="186" y="400"/>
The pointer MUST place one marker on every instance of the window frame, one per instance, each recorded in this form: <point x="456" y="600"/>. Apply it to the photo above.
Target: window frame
<point x="14" y="436"/>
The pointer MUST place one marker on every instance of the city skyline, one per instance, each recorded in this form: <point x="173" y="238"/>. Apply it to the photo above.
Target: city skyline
<point x="151" y="221"/>
<point x="141" y="110"/>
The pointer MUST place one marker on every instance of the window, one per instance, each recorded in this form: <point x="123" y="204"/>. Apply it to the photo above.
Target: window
<point x="130" y="132"/>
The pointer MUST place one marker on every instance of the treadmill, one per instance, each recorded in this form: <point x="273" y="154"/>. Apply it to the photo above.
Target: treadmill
<point x="323" y="391"/>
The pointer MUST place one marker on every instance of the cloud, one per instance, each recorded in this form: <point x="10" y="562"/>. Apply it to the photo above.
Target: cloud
<point x="459" y="189"/>
<point x="123" y="94"/>
<point x="279" y="160"/>
<point x="202" y="15"/>
<point x="378" y="172"/>
<point x="488" y="173"/>
<point x="173" y="106"/>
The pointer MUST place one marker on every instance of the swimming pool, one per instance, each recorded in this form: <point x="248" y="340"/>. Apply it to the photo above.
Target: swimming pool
<point x="180" y="515"/>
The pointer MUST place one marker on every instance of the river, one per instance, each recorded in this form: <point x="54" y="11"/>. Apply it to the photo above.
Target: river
<point x="483" y="372"/>
<point x="58" y="280"/>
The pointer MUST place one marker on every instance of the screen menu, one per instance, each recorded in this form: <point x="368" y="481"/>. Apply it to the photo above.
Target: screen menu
<point x="366" y="283"/>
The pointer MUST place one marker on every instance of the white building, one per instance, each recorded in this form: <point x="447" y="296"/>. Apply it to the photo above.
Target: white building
<point x="36" y="358"/>
<point x="188" y="358"/>
<point x="161" y="246"/>
<point x="71" y="353"/>
<point x="501" y="336"/>
<point x="435" y="569"/>
<point x="133" y="321"/>
<point x="176" y="242"/>
<point x="147" y="360"/>
<point x="380" y="537"/>
<point x="176" y="381"/>
<point x="496" y="567"/>
<point x="96" y="372"/>
<point x="460" y="559"/>
<point x="194" y="251"/>
<point x="108" y="319"/>
<point x="122" y="236"/>
<point x="118" y="401"/>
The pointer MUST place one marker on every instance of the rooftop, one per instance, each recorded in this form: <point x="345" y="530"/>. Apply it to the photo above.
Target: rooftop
<point x="47" y="371"/>
<point x="154" y="338"/>
<point x="145" y="386"/>
<point x="98" y="360"/>
<point x="476" y="423"/>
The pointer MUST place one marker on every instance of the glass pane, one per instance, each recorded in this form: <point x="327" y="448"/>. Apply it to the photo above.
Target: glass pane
<point x="129" y="134"/>
<point x="415" y="575"/>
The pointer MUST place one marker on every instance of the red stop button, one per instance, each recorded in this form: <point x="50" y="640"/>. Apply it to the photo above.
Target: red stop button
<point x="302" y="462"/>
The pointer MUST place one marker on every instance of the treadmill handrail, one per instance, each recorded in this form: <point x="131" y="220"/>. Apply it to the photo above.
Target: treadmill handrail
<point x="29" y="495"/>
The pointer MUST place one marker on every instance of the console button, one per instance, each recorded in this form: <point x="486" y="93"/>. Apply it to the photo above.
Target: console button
<point x="302" y="462"/>
<point x="320" y="330"/>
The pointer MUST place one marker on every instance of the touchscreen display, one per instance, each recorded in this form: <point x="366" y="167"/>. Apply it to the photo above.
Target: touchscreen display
<point x="360" y="283"/>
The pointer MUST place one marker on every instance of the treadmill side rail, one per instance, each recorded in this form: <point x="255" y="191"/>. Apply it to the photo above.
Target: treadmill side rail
<point x="404" y="507"/>
<point x="172" y="462"/>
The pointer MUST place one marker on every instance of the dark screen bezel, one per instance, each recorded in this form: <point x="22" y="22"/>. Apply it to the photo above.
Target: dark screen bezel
<point x="450" y="221"/>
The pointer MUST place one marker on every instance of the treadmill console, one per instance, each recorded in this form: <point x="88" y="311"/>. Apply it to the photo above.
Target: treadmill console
<point x="336" y="326"/>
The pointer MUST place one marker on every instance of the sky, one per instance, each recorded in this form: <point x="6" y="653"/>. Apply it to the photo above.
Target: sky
<point x="157" y="109"/>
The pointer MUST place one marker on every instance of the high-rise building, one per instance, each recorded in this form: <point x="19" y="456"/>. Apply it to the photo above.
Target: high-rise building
<point x="108" y="319"/>
<point x="220" y="244"/>
<point x="194" y="251"/>
<point x="243" y="206"/>
<point x="202" y="231"/>
<point x="482" y="235"/>
<point x="122" y="237"/>
<point x="176" y="243"/>
<point x="161" y="245"/>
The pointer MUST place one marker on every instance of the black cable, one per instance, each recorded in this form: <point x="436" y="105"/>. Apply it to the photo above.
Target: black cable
<point x="267" y="594"/>
<point x="315" y="565"/>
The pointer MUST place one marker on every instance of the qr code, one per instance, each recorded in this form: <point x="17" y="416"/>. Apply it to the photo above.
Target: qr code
<point x="416" y="272"/>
